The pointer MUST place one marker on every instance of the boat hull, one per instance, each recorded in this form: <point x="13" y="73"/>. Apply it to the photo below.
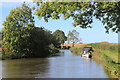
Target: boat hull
<point x="87" y="55"/>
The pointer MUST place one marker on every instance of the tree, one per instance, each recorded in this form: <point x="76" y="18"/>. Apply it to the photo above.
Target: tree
<point x="82" y="13"/>
<point x="22" y="39"/>
<point x="60" y="37"/>
<point x="73" y="37"/>
<point x="17" y="29"/>
<point x="40" y="40"/>
<point x="1" y="32"/>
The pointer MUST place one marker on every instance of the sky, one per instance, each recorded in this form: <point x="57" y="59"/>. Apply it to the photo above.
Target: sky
<point x="95" y="34"/>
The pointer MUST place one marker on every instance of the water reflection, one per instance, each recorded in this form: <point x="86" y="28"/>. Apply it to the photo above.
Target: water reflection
<point x="74" y="67"/>
<point x="65" y="66"/>
<point x="25" y="68"/>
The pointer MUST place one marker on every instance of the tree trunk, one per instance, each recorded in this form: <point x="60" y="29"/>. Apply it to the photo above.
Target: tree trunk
<point x="73" y="44"/>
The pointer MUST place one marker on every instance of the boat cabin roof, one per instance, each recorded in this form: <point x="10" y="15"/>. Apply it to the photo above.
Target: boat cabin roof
<point x="87" y="48"/>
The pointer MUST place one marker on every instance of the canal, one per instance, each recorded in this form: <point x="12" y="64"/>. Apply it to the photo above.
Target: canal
<point x="67" y="65"/>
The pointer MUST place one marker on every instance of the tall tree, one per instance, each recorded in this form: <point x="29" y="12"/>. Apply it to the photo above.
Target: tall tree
<point x="73" y="36"/>
<point x="17" y="27"/>
<point x="82" y="13"/>
<point x="60" y="36"/>
<point x="22" y="39"/>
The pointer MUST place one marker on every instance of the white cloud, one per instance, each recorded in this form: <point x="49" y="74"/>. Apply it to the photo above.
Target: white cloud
<point x="15" y="0"/>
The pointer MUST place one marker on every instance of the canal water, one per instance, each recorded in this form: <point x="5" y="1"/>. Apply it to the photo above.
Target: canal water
<point x="67" y="65"/>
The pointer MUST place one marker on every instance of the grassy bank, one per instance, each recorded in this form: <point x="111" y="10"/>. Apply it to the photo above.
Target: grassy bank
<point x="104" y="53"/>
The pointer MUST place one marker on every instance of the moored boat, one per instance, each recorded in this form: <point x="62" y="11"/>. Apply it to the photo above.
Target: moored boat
<point x="87" y="52"/>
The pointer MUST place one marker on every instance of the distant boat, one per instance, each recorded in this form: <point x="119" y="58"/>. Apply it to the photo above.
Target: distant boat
<point x="87" y="52"/>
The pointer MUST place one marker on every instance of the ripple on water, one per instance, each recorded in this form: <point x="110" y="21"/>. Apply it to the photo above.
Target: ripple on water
<point x="65" y="66"/>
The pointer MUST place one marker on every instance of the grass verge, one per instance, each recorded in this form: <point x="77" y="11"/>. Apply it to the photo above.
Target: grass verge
<point x="106" y="54"/>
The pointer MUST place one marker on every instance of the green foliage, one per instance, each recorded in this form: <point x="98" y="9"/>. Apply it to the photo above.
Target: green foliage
<point x="73" y="36"/>
<point x="60" y="37"/>
<point x="17" y="29"/>
<point x="82" y="13"/>
<point x="53" y="49"/>
<point x="22" y="39"/>
<point x="40" y="40"/>
<point x="1" y="32"/>
<point x="109" y="13"/>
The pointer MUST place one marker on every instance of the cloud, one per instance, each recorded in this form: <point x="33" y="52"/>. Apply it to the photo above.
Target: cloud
<point x="15" y="0"/>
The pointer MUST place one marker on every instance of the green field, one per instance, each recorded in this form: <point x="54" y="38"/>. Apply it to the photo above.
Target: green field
<point x="104" y="53"/>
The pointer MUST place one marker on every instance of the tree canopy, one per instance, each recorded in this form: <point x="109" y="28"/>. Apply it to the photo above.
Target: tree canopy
<point x="17" y="29"/>
<point x="60" y="36"/>
<point x="82" y="13"/>
<point x="22" y="39"/>
<point x="73" y="36"/>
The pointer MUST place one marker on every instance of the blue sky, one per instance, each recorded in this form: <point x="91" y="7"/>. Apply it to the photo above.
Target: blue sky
<point x="95" y="34"/>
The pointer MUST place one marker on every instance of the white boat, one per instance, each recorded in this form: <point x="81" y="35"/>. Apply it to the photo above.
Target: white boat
<point x="87" y="52"/>
<point x="87" y="55"/>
